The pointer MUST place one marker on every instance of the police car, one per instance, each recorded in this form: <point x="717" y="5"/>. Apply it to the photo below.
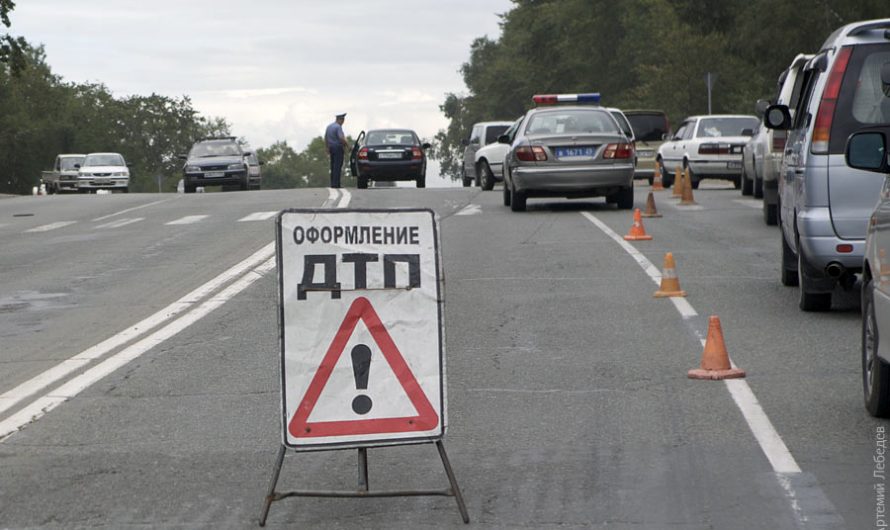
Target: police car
<point x="568" y="146"/>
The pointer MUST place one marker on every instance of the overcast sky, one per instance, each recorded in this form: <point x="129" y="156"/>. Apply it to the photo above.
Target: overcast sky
<point x="275" y="69"/>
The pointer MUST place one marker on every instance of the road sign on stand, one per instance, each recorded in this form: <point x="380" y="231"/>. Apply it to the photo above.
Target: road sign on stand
<point x="362" y="347"/>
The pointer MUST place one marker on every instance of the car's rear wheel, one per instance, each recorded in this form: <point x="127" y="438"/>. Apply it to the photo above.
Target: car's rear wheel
<point x="486" y="177"/>
<point x="623" y="199"/>
<point x="809" y="300"/>
<point x="421" y="182"/>
<point x="789" y="269"/>
<point x="361" y="182"/>
<point x="517" y="200"/>
<point x="465" y="179"/>
<point x="758" y="187"/>
<point x="506" y="194"/>
<point x="770" y="214"/>
<point x="747" y="183"/>
<point x="875" y="371"/>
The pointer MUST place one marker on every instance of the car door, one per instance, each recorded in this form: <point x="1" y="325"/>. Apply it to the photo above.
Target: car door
<point x="353" y="155"/>
<point x="669" y="150"/>
<point x="791" y="177"/>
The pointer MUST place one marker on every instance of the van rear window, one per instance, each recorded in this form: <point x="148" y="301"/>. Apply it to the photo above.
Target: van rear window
<point x="863" y="99"/>
<point x="648" y="127"/>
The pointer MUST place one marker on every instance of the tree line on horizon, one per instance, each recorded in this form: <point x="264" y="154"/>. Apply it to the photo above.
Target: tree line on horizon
<point x="639" y="54"/>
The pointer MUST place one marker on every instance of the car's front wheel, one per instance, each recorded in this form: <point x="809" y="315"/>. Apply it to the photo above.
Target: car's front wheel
<point x="875" y="371"/>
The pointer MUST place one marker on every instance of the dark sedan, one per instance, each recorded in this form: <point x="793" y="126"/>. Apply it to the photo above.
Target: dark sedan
<point x="388" y="155"/>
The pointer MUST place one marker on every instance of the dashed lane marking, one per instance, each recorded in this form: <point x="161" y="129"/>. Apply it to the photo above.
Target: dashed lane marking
<point x="121" y="222"/>
<point x="258" y="216"/>
<point x="51" y="226"/>
<point x="115" y="214"/>
<point x="470" y="209"/>
<point x="188" y="219"/>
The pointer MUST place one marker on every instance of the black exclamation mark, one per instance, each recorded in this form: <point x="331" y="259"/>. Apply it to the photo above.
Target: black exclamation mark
<point x="361" y="368"/>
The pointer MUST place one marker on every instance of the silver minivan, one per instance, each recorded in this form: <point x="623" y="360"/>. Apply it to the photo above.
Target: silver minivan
<point x="824" y="204"/>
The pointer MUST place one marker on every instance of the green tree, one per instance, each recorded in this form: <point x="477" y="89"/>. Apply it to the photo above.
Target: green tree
<point x="12" y="49"/>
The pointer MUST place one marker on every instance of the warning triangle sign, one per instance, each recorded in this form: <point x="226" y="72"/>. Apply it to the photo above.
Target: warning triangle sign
<point x="426" y="418"/>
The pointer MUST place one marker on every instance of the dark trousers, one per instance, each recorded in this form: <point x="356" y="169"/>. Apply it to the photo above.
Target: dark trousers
<point x="336" y="165"/>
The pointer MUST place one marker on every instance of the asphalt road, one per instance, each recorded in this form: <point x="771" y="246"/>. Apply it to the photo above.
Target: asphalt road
<point x="569" y="405"/>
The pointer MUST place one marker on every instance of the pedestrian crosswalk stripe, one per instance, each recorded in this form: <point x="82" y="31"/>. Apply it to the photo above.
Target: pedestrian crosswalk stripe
<point x="121" y="222"/>
<point x="188" y="219"/>
<point x="258" y="216"/>
<point x="51" y="226"/>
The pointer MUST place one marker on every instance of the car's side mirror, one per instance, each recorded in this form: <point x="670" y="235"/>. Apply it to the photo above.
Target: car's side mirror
<point x="868" y="150"/>
<point x="247" y="153"/>
<point x="504" y="139"/>
<point x="747" y="132"/>
<point x="664" y="136"/>
<point x="464" y="142"/>
<point x="761" y="106"/>
<point x="426" y="145"/>
<point x="777" y="117"/>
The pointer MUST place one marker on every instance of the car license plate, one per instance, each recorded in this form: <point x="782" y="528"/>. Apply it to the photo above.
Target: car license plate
<point x="575" y="152"/>
<point x="736" y="164"/>
<point x="215" y="174"/>
<point x="389" y="156"/>
<point x="102" y="182"/>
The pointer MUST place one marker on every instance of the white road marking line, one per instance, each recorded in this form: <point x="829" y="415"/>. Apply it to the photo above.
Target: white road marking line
<point x="121" y="222"/>
<point x="764" y="432"/>
<point x="345" y="199"/>
<point x="75" y="386"/>
<point x="188" y="219"/>
<point x="41" y="381"/>
<point x="750" y="203"/>
<point x="470" y="209"/>
<point x="115" y="214"/>
<point x="258" y="216"/>
<point x="51" y="226"/>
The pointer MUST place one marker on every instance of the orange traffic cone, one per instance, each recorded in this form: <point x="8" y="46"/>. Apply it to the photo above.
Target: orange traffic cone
<point x="670" y="284"/>
<point x="678" y="184"/>
<point x="651" y="211"/>
<point x="687" y="199"/>
<point x="637" y="231"/>
<point x="657" y="181"/>
<point x="714" y="360"/>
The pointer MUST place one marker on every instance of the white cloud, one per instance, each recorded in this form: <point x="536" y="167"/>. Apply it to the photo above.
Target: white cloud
<point x="275" y="69"/>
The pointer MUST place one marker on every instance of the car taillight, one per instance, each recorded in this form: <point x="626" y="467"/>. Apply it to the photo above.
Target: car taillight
<point x="822" y="128"/>
<point x="778" y="141"/>
<point x="416" y="153"/>
<point x="531" y="153"/>
<point x="363" y="153"/>
<point x="714" y="149"/>
<point x="620" y="150"/>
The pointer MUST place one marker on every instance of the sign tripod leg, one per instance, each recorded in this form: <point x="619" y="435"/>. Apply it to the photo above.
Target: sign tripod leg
<point x="455" y="489"/>
<point x="270" y="495"/>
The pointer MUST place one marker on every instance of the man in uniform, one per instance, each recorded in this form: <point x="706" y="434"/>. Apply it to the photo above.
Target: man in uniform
<point x="336" y="146"/>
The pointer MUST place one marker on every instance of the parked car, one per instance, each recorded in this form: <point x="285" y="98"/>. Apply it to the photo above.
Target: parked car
<point x="490" y="160"/>
<point x="103" y="171"/>
<point x="219" y="162"/>
<point x="709" y="147"/>
<point x="651" y="128"/>
<point x="764" y="152"/>
<point x="824" y="204"/>
<point x="867" y="150"/>
<point x="568" y="151"/>
<point x="388" y="155"/>
<point x="482" y="134"/>
<point x="64" y="174"/>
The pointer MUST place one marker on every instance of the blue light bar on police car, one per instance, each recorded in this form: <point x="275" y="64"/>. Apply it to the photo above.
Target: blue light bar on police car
<point x="552" y="99"/>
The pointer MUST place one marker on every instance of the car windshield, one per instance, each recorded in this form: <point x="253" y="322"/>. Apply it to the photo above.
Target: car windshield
<point x="571" y="121"/>
<point x="493" y="131"/>
<point x="67" y="164"/>
<point x="648" y="127"/>
<point x="717" y="127"/>
<point x="391" y="137"/>
<point x="109" y="159"/>
<point x="215" y="148"/>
